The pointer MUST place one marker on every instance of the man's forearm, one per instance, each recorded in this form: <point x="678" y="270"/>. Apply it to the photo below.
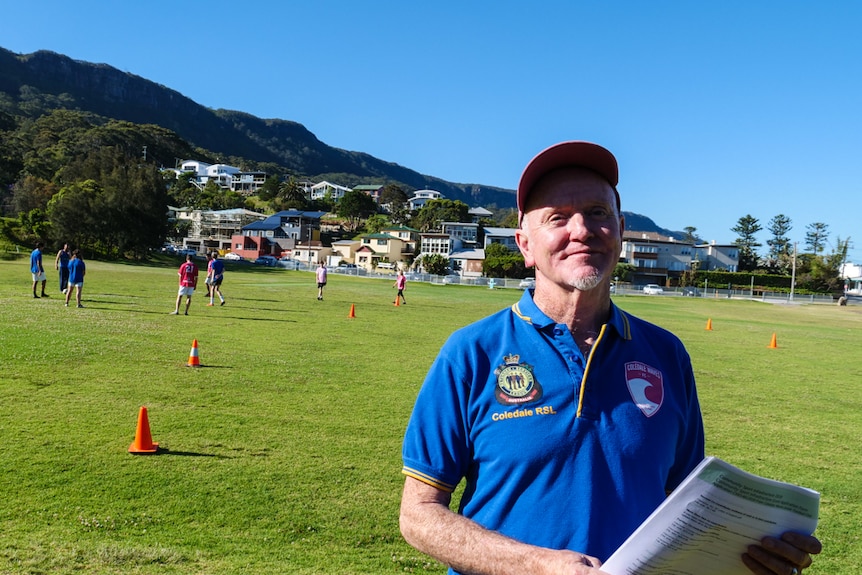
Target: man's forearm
<point x="430" y="526"/>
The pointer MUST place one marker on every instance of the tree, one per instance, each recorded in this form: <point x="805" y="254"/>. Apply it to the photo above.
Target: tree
<point x="746" y="229"/>
<point x="392" y="195"/>
<point x="292" y="196"/>
<point x="376" y="223"/>
<point x="31" y="193"/>
<point x="779" y="243"/>
<point x="355" y="206"/>
<point x="815" y="237"/>
<point x="502" y="262"/>
<point x="435" y="264"/>
<point x="270" y="189"/>
<point x="432" y="214"/>
<point x="690" y="236"/>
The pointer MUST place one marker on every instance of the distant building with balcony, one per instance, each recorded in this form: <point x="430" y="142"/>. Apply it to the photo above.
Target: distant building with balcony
<point x="505" y="236"/>
<point x="712" y="256"/>
<point x="422" y="197"/>
<point x="463" y="235"/>
<point x="662" y="260"/>
<point x="225" y="176"/>
<point x="324" y="190"/>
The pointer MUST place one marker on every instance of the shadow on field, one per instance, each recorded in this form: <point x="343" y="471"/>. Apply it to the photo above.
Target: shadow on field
<point x="166" y="451"/>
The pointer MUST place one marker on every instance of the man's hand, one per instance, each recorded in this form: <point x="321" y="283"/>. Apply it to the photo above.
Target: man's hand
<point x="787" y="555"/>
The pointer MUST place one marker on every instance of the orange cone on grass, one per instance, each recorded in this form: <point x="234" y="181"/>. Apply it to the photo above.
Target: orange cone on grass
<point x="709" y="324"/>
<point x="397" y="301"/>
<point x="774" y="343"/>
<point x="143" y="442"/>
<point x="194" y="358"/>
<point x="352" y="311"/>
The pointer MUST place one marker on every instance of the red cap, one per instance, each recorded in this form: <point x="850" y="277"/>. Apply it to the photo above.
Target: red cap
<point x="567" y="155"/>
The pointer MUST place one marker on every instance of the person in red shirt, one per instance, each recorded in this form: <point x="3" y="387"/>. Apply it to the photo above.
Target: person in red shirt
<point x="188" y="273"/>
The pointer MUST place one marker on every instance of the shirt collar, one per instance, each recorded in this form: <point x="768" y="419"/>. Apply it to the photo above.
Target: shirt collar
<point x="527" y="310"/>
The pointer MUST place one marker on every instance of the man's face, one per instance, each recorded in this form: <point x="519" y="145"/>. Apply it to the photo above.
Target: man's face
<point x="571" y="231"/>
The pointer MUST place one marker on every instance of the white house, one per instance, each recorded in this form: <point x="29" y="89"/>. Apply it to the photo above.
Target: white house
<point x="422" y="197"/>
<point x="325" y="189"/>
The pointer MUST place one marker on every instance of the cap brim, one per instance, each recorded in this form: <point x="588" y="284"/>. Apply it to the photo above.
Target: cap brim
<point x="567" y="155"/>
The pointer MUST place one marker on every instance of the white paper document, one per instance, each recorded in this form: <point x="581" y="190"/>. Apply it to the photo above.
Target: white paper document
<point x="709" y="521"/>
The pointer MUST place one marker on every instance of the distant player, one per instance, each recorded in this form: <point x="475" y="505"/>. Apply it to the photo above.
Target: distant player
<point x="188" y="273"/>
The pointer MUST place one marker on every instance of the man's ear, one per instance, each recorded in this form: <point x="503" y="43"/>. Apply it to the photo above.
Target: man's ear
<point x="522" y="239"/>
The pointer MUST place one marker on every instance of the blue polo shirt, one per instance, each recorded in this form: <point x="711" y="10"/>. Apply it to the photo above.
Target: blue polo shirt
<point x="557" y="449"/>
<point x="36" y="261"/>
<point x="77" y="269"/>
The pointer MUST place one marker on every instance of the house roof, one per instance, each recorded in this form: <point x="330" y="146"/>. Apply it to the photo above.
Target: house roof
<point x="477" y="254"/>
<point x="399" y="229"/>
<point x="505" y="232"/>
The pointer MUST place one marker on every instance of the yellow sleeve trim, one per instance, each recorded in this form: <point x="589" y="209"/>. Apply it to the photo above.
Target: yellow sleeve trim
<point x="427" y="479"/>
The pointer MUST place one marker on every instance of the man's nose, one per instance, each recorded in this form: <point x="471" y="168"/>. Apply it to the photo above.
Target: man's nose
<point x="579" y="226"/>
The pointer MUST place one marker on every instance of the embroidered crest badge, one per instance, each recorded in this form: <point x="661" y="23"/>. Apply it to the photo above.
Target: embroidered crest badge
<point x="516" y="384"/>
<point x="645" y="386"/>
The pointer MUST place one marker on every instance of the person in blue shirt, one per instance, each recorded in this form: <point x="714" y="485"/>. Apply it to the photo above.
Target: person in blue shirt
<point x="77" y="269"/>
<point x="37" y="270"/>
<point x="568" y="419"/>
<point x="215" y="275"/>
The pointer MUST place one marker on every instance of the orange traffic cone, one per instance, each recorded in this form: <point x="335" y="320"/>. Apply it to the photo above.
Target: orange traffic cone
<point x="774" y="343"/>
<point x="397" y="301"/>
<point x="143" y="440"/>
<point x="194" y="360"/>
<point x="352" y="311"/>
<point x="709" y="324"/>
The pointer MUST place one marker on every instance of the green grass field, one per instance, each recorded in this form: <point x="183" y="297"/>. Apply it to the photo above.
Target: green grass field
<point x="282" y="453"/>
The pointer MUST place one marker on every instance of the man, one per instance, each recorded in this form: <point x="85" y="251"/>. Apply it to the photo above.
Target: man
<point x="61" y="264"/>
<point x="569" y="419"/>
<point x="188" y="273"/>
<point x="215" y="275"/>
<point x="37" y="270"/>
<point x="77" y="269"/>
<point x="321" y="280"/>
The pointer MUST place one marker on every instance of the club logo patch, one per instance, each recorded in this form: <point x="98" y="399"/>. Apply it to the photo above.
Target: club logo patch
<point x="516" y="384"/>
<point x="645" y="386"/>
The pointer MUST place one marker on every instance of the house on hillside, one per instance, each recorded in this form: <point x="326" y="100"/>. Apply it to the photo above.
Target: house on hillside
<point x="277" y="234"/>
<point x="422" y="197"/>
<point x="323" y="190"/>
<point x="225" y="176"/>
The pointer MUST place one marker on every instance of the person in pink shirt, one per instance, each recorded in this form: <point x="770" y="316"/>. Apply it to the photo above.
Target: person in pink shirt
<point x="400" y="283"/>
<point x="188" y="273"/>
<point x="321" y="280"/>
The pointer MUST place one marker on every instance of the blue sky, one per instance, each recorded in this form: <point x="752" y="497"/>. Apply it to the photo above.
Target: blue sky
<point x="714" y="109"/>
